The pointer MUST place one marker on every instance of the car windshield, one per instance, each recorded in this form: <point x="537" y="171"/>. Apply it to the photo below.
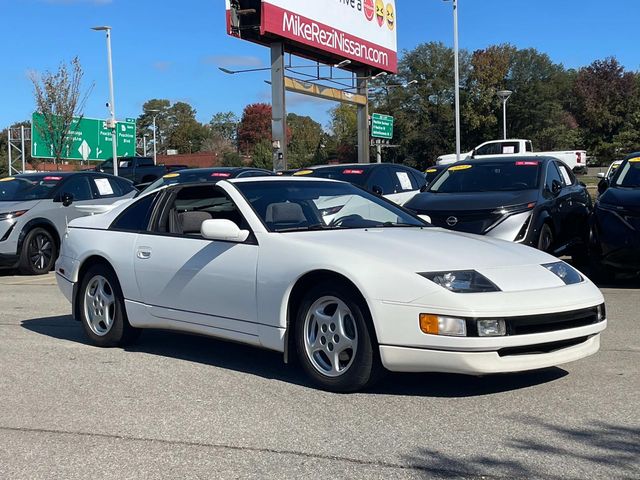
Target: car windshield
<point x="488" y="177"/>
<point x="31" y="187"/>
<point x="293" y="206"/>
<point x="188" y="176"/>
<point x="355" y="175"/>
<point x="629" y="175"/>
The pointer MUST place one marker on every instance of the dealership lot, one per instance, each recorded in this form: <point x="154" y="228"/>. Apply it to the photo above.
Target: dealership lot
<point x="182" y="406"/>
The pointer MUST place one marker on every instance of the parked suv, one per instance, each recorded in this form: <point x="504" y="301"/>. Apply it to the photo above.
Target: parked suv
<point x="536" y="201"/>
<point x="33" y="216"/>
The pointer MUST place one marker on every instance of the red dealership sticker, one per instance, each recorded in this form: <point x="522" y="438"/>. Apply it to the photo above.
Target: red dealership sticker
<point x="527" y="164"/>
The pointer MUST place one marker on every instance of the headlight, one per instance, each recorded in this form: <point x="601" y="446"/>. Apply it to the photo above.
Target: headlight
<point x="565" y="272"/>
<point x="463" y="281"/>
<point x="441" y="325"/>
<point x="12" y="215"/>
<point x="491" y="328"/>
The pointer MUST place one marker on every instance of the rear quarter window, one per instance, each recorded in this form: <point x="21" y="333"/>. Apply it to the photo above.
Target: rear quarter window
<point x="135" y="218"/>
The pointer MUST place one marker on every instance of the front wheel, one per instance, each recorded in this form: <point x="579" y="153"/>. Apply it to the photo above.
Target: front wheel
<point x="333" y="341"/>
<point x="545" y="240"/>
<point x="102" y="311"/>
<point x="39" y="252"/>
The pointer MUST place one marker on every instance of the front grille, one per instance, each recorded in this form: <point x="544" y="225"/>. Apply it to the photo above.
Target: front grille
<point x="541" y="348"/>
<point x="477" y="221"/>
<point x="549" y="322"/>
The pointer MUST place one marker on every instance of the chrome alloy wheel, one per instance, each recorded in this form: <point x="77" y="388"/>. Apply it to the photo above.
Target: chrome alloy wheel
<point x="40" y="251"/>
<point x="330" y="336"/>
<point x="99" y="305"/>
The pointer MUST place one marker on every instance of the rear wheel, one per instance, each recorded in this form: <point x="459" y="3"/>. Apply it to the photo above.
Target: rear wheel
<point x="39" y="252"/>
<point x="102" y="311"/>
<point x="545" y="239"/>
<point x="333" y="340"/>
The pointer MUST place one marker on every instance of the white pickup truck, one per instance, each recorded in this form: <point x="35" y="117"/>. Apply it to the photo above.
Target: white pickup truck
<point x="575" y="159"/>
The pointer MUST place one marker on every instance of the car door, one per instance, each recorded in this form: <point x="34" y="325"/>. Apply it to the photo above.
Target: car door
<point x="561" y="204"/>
<point x="579" y="206"/>
<point x="77" y="185"/>
<point x="183" y="277"/>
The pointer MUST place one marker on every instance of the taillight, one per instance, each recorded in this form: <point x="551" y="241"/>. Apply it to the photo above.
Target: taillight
<point x="579" y="157"/>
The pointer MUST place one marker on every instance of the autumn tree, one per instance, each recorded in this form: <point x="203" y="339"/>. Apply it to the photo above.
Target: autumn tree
<point x="254" y="127"/>
<point x="59" y="98"/>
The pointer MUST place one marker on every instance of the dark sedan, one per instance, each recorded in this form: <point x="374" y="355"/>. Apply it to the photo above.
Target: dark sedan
<point x="615" y="224"/>
<point x="536" y="201"/>
<point x="212" y="174"/>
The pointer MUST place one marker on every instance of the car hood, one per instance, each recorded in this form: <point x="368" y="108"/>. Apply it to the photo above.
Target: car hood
<point x="451" y="202"/>
<point x="426" y="249"/>
<point x="6" y="207"/>
<point x="624" y="197"/>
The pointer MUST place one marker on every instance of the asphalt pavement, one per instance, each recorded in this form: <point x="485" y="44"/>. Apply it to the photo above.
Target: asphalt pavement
<point x="179" y="406"/>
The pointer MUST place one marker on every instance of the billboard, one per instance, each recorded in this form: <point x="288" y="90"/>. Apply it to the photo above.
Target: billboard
<point x="363" y="31"/>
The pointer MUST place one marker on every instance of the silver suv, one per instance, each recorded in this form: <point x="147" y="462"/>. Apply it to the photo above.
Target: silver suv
<point x="35" y="209"/>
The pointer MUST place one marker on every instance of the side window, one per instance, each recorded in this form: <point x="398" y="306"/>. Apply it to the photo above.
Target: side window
<point x="79" y="187"/>
<point x="381" y="177"/>
<point x="104" y="187"/>
<point x="136" y="217"/>
<point x="190" y="206"/>
<point x="528" y="146"/>
<point x="418" y="179"/>
<point x="552" y="174"/>
<point x="491" y="149"/>
<point x="125" y="186"/>
<point x="567" y="175"/>
<point x="253" y="173"/>
<point x="402" y="180"/>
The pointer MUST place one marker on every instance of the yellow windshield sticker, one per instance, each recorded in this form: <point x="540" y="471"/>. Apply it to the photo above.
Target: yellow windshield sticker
<point x="7" y="179"/>
<point x="171" y="175"/>
<point x="634" y="160"/>
<point x="455" y="168"/>
<point x="432" y="170"/>
<point x="303" y="172"/>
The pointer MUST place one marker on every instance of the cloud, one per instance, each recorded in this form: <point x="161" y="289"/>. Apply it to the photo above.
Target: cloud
<point x="232" y="61"/>
<point x="162" y="65"/>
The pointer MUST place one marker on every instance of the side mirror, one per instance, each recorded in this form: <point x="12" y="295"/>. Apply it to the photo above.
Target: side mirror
<point x="224" y="230"/>
<point x="603" y="186"/>
<point x="377" y="189"/>
<point x="600" y="175"/>
<point x="65" y="198"/>
<point x="556" y="187"/>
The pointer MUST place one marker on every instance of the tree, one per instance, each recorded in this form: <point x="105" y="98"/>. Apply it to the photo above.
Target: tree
<point x="58" y="100"/>
<point x="186" y="134"/>
<point x="255" y="127"/>
<point x="344" y="126"/>
<point x="305" y="140"/>
<point x="221" y="133"/>
<point x="232" y="159"/>
<point x="160" y="109"/>
<point x="262" y="156"/>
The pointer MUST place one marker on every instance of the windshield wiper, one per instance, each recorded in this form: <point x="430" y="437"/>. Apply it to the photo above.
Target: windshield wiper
<point x="315" y="226"/>
<point x="394" y="224"/>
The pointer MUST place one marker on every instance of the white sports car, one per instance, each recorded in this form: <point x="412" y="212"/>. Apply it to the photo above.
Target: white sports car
<point x="254" y="261"/>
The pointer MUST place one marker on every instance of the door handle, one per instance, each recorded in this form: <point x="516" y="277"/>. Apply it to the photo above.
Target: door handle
<point x="144" y="253"/>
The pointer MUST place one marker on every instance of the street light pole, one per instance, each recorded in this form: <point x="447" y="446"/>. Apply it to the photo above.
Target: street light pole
<point x="457" y="76"/>
<point x="504" y="96"/>
<point x="111" y="106"/>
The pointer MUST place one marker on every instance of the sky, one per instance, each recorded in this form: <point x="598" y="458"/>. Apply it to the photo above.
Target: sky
<point x="168" y="49"/>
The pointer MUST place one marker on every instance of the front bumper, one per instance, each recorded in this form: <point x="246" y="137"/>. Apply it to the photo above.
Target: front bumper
<point x="406" y="359"/>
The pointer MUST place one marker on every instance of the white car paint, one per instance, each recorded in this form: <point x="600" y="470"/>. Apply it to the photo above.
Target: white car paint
<point x="240" y="291"/>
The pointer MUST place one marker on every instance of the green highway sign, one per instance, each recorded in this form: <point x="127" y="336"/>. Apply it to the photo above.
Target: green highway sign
<point x="381" y="126"/>
<point x="90" y="140"/>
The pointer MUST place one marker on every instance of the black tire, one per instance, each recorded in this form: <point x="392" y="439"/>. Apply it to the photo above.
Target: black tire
<point x="116" y="331"/>
<point x="545" y="239"/>
<point x="362" y="367"/>
<point x="39" y="252"/>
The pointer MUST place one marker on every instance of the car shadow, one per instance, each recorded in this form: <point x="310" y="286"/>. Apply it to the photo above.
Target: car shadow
<point x="270" y="365"/>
